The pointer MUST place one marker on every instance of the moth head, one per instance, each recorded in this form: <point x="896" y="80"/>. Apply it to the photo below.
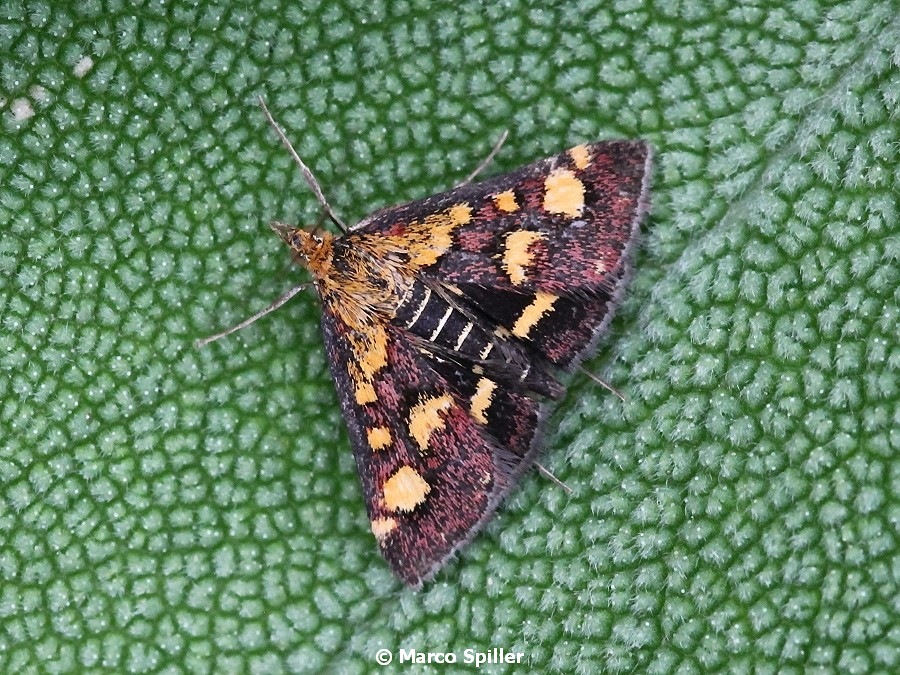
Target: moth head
<point x="312" y="248"/>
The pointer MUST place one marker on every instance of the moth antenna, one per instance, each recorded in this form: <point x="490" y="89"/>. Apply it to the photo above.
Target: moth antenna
<point x="549" y="475"/>
<point x="307" y="174"/>
<point x="246" y="322"/>
<point x="602" y="383"/>
<point x="487" y="160"/>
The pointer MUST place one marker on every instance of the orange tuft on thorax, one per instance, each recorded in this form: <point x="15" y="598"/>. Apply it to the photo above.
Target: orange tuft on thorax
<point x="355" y="281"/>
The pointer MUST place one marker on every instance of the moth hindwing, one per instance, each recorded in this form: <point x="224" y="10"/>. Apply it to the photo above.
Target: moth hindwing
<point x="447" y="323"/>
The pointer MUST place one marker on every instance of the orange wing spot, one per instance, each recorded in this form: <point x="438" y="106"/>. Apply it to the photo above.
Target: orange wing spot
<point x="370" y="349"/>
<point x="405" y="490"/>
<point x="425" y="418"/>
<point x="379" y="437"/>
<point x="581" y="157"/>
<point x="461" y="214"/>
<point x="365" y="393"/>
<point x="482" y="399"/>
<point x="382" y="527"/>
<point x="506" y="201"/>
<point x="516" y="256"/>
<point x="429" y="240"/>
<point x="541" y="305"/>
<point x="563" y="193"/>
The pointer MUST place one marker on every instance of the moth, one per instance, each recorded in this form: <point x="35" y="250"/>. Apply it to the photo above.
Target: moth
<point x="448" y="323"/>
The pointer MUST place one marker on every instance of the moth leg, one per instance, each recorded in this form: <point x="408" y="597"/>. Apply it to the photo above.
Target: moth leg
<point x="487" y="160"/>
<point x="602" y="383"/>
<point x="307" y="174"/>
<point x="246" y="322"/>
<point x="549" y="475"/>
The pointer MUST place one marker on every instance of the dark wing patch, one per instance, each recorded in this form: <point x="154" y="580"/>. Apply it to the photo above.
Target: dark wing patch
<point x="431" y="474"/>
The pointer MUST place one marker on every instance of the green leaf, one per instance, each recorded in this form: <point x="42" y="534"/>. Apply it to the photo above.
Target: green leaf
<point x="168" y="509"/>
